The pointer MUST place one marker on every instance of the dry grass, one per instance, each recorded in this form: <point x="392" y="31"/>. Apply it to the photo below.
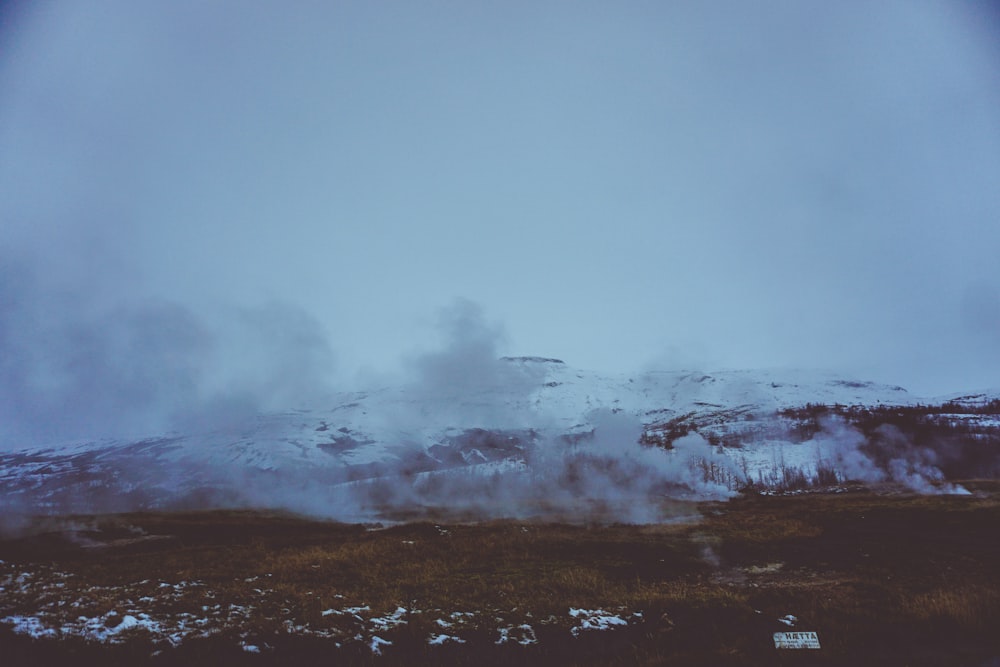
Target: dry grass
<point x="884" y="579"/>
<point x="970" y="606"/>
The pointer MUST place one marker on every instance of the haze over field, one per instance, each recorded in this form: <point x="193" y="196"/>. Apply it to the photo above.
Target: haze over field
<point x="211" y="210"/>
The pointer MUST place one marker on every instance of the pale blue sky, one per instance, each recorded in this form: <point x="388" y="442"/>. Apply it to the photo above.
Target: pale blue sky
<point x="620" y="184"/>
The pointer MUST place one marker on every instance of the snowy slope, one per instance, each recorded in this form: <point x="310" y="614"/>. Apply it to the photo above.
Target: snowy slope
<point x="368" y="427"/>
<point x="511" y="424"/>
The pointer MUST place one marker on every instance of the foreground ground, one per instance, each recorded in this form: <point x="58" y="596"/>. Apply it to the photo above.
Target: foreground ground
<point x="882" y="578"/>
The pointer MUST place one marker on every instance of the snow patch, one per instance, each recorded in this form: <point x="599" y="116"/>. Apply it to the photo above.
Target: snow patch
<point x="29" y="625"/>
<point x="377" y="643"/>
<point x="594" y="619"/>
<point x="521" y="634"/>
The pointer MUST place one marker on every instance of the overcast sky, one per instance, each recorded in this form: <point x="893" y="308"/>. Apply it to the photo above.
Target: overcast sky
<point x="618" y="184"/>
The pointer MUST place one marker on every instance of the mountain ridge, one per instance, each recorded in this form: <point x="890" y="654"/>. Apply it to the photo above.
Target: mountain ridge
<point x="534" y="422"/>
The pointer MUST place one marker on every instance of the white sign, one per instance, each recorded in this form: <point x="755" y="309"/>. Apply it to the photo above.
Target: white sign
<point x="796" y="640"/>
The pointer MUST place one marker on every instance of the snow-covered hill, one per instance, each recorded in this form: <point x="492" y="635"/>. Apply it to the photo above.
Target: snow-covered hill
<point x="531" y="432"/>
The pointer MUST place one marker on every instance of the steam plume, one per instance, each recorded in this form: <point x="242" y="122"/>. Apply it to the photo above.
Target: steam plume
<point x="72" y="368"/>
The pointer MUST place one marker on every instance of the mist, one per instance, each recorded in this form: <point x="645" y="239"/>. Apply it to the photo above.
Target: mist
<point x="735" y="187"/>
<point x="466" y="363"/>
<point x="603" y="475"/>
<point x="840" y="453"/>
<point x="467" y="436"/>
<point x="72" y="368"/>
<point x="213" y="214"/>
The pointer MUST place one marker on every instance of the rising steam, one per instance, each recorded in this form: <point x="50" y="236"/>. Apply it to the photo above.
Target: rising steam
<point x="890" y="456"/>
<point x="73" y="368"/>
<point x="468" y="435"/>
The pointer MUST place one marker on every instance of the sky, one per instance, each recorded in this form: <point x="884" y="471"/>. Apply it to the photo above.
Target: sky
<point x="279" y="196"/>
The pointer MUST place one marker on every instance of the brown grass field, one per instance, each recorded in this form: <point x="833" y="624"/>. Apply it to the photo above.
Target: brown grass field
<point x="884" y="578"/>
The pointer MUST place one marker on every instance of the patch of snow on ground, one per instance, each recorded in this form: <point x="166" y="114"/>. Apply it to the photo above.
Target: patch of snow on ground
<point x="354" y="611"/>
<point x="522" y="634"/>
<point x="29" y="625"/>
<point x="392" y="620"/>
<point x="377" y="644"/>
<point x="594" y="619"/>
